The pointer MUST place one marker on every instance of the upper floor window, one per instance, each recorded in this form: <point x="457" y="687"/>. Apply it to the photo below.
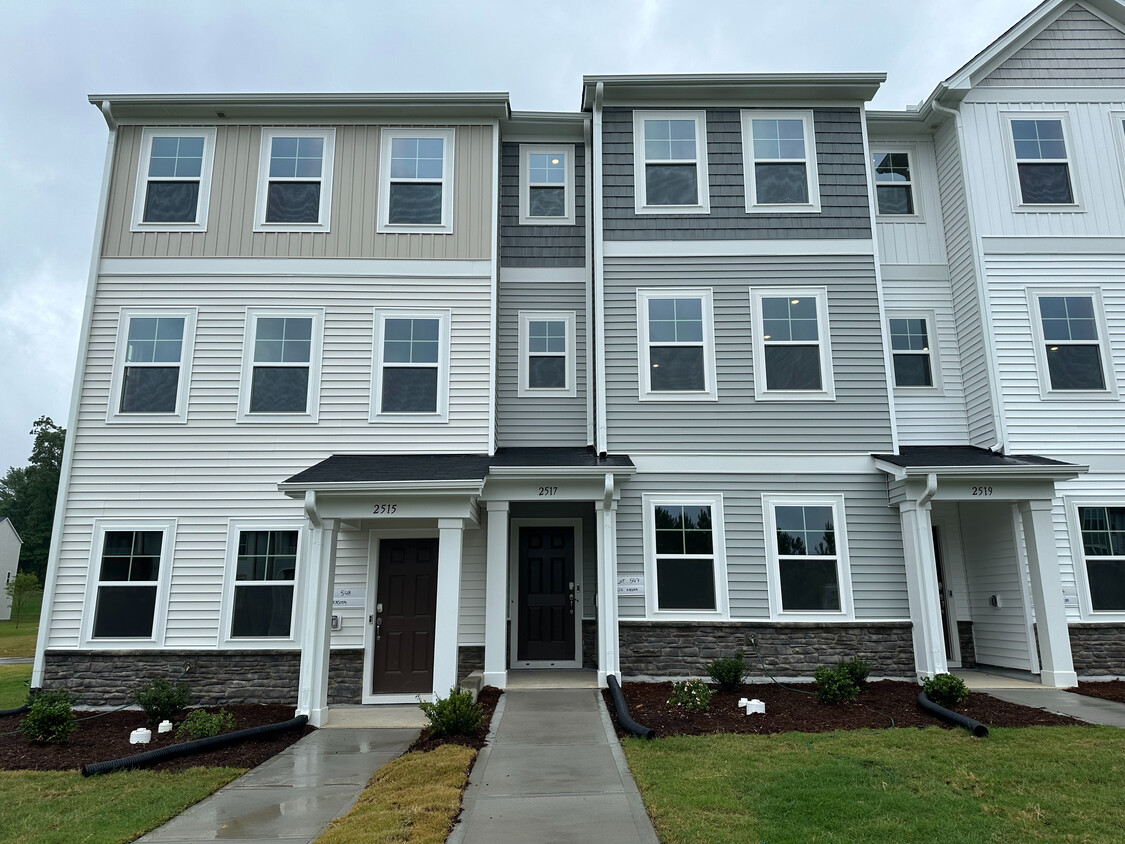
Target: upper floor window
<point x="670" y="162"/>
<point x="295" y="180"/>
<point x="913" y="348"/>
<point x="173" y="180"/>
<point x="411" y="366"/>
<point x="685" y="559"/>
<point x="547" y="185"/>
<point x="806" y="556"/>
<point x="281" y="366"/>
<point x="894" y="184"/>
<point x="1042" y="166"/>
<point x="546" y="353"/>
<point x="152" y="365"/>
<point x="677" y="354"/>
<point x="779" y="157"/>
<point x="416" y="180"/>
<point x="792" y="354"/>
<point x="1072" y="355"/>
<point x="129" y="564"/>
<point x="1103" y="547"/>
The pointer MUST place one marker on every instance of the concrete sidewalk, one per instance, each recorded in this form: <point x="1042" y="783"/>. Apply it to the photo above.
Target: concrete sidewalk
<point x="553" y="771"/>
<point x="1031" y="693"/>
<point x="292" y="797"/>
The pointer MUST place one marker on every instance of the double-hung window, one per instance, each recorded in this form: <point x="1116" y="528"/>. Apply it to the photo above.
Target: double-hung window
<point x="779" y="157"/>
<point x="792" y="353"/>
<point x="1041" y="160"/>
<point x="913" y="349"/>
<point x="807" y="558"/>
<point x="1070" y="346"/>
<point x="281" y="365"/>
<point x="129" y="563"/>
<point x="264" y="574"/>
<point x="895" y="187"/>
<point x="416" y="180"/>
<point x="411" y="366"/>
<point x="152" y="366"/>
<point x="670" y="162"/>
<point x="677" y="353"/>
<point x="547" y="185"/>
<point x="295" y="180"/>
<point x="685" y="560"/>
<point x="1103" y="549"/>
<point x="546" y="353"/>
<point x="173" y="179"/>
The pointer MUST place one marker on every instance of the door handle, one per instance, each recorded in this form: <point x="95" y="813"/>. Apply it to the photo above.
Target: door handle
<point x="378" y="626"/>
<point x="572" y="598"/>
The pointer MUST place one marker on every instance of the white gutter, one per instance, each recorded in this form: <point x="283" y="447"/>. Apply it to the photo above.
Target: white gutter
<point x="52" y="574"/>
<point x="601" y="437"/>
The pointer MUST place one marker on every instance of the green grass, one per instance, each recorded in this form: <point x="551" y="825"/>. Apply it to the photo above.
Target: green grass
<point x="1019" y="785"/>
<point x="60" y="806"/>
<point x="20" y="641"/>
<point x="13" y="685"/>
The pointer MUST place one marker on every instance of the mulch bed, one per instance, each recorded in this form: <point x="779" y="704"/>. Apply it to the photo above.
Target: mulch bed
<point x="107" y="737"/>
<point x="487" y="698"/>
<point x="788" y="710"/>
<point x="1107" y="690"/>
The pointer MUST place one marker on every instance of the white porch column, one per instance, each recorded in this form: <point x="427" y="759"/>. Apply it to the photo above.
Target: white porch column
<point x="922" y="589"/>
<point x="496" y="597"/>
<point x="450" y="533"/>
<point x="609" y="661"/>
<point x="1046" y="592"/>
<point x="316" y="636"/>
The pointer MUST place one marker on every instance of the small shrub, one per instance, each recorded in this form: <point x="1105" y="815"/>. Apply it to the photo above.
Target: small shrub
<point x="946" y="690"/>
<point x="834" y="685"/>
<point x="857" y="670"/>
<point x="161" y="700"/>
<point x="690" y="695"/>
<point x="455" y="715"/>
<point x="49" y="719"/>
<point x="729" y="672"/>
<point x="202" y="724"/>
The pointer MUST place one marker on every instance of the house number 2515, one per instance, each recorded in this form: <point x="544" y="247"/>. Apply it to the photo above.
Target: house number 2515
<point x="385" y="509"/>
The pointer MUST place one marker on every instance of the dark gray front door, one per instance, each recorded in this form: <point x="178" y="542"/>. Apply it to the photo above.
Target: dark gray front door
<point x="404" y="627"/>
<point x="546" y="594"/>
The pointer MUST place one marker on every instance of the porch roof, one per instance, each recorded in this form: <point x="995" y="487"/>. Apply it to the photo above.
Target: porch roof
<point x="954" y="459"/>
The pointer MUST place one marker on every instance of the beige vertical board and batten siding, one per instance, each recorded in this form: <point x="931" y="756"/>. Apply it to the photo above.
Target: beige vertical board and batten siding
<point x="354" y="196"/>
<point x="910" y="240"/>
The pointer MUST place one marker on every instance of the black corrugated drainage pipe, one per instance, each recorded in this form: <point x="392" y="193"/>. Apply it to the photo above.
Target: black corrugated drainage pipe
<point x="189" y="748"/>
<point x="19" y="710"/>
<point x="627" y="723"/>
<point x="973" y="726"/>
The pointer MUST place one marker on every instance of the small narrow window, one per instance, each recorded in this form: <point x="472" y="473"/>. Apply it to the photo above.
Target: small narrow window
<point x="546" y="184"/>
<point x="295" y="180"/>
<point x="894" y="183"/>
<point x="152" y="362"/>
<point x="780" y="160"/>
<point x="1042" y="166"/>
<point x="281" y="365"/>
<point x="677" y="355"/>
<point x="670" y="161"/>
<point x="1071" y="346"/>
<point x="1103" y="546"/>
<point x="416" y="187"/>
<point x="411" y="365"/>
<point x="547" y="350"/>
<point x="128" y="578"/>
<point x="265" y="571"/>
<point x="912" y="350"/>
<point x="174" y="180"/>
<point x="791" y="345"/>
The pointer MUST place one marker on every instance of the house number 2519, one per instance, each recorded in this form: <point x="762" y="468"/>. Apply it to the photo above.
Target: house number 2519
<point x="982" y="490"/>
<point x="385" y="509"/>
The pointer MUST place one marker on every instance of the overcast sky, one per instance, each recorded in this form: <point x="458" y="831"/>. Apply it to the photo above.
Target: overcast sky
<point x="55" y="53"/>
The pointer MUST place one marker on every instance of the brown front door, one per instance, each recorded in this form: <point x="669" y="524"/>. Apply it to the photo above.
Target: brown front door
<point x="546" y="607"/>
<point x="404" y="623"/>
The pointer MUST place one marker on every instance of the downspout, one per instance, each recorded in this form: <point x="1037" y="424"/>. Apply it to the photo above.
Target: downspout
<point x="310" y="508"/>
<point x="591" y="377"/>
<point x="929" y="491"/>
<point x="494" y="294"/>
<point x="983" y="307"/>
<point x="601" y="444"/>
<point x="52" y="573"/>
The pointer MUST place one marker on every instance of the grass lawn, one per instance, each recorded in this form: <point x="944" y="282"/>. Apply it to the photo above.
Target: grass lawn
<point x="20" y="641"/>
<point x="61" y="806"/>
<point x="13" y="685"/>
<point x="412" y="799"/>
<point x="1020" y="785"/>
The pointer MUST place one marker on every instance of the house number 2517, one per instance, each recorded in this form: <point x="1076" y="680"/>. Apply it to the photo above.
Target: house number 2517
<point x="385" y="509"/>
<point x="548" y="490"/>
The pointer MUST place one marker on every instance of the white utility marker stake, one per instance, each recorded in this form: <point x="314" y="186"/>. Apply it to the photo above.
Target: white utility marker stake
<point x="753" y="707"/>
<point x="141" y="735"/>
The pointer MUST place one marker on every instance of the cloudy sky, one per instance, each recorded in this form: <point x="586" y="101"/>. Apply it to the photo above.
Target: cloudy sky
<point x="52" y="54"/>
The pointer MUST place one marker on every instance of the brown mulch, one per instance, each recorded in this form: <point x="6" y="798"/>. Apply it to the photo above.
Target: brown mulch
<point x="788" y="710"/>
<point x="1107" y="690"/>
<point x="107" y="737"/>
<point x="487" y="698"/>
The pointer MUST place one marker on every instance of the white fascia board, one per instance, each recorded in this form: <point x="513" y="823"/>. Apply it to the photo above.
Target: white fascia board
<point x="1056" y="247"/>
<point x="737" y="248"/>
<point x="1039" y="472"/>
<point x="296" y="267"/>
<point x="560" y="471"/>
<point x="741" y="463"/>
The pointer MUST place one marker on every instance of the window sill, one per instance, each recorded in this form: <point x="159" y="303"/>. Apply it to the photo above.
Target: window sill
<point x="168" y="227"/>
<point x="1048" y="208"/>
<point x="280" y="644"/>
<point x="1078" y="395"/>
<point x="685" y="615"/>
<point x="814" y="617"/>
<point x="899" y="218"/>
<point x="781" y="395"/>
<point x="684" y="396"/>
<point x="673" y="209"/>
<point x="414" y="228"/>
<point x="783" y="209"/>
<point x="544" y="393"/>
<point x="547" y="221"/>
<point x="921" y="392"/>
<point x="276" y="419"/>
<point x="411" y="418"/>
<point x="146" y="419"/>
<point x="292" y="227"/>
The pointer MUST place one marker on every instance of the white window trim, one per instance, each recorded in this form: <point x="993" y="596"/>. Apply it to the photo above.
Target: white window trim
<point x="1071" y="503"/>
<point x="526" y="391"/>
<point x="1018" y="204"/>
<point x="441" y="415"/>
<point x="311" y="412"/>
<point x="140" y="190"/>
<point x="324" y="218"/>
<point x="710" y="392"/>
<point x="93" y="580"/>
<point x="640" y="185"/>
<point x="526" y="150"/>
<point x="226" y="616"/>
<point x="911" y="152"/>
<point x="448" y="150"/>
<point x="117" y="380"/>
<point x="930" y="318"/>
<point x="1046" y="391"/>
<point x="827" y="381"/>
<point x="811" y="177"/>
<point x="718" y="544"/>
<point x="843" y="564"/>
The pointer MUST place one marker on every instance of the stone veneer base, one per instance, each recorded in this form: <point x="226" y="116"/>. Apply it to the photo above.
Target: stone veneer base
<point x="1098" y="650"/>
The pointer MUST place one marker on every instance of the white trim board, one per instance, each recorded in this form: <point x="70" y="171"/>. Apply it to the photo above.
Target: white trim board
<point x="1056" y="247"/>
<point x="766" y="463"/>
<point x="736" y="248"/>
<point x="282" y="267"/>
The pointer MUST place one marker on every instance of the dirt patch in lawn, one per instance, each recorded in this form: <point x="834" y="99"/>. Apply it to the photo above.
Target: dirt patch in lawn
<point x="787" y="709"/>
<point x="1107" y="690"/>
<point x="107" y="737"/>
<point x="487" y="698"/>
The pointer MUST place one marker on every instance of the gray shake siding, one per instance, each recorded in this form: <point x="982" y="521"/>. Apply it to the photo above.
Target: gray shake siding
<point x="840" y="166"/>
<point x="858" y="419"/>
<point x="539" y="246"/>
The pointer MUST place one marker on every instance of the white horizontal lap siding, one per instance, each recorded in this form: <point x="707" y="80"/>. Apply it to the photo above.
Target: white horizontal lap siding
<point x="470" y="619"/>
<point x="873" y="534"/>
<point x="920" y="239"/>
<point x="351" y="572"/>
<point x="1055" y="426"/>
<point x="1091" y="488"/>
<point x="858" y="419"/>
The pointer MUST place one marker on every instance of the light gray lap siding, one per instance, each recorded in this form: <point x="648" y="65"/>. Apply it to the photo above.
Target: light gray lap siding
<point x="539" y="246"/>
<point x="858" y="419"/>
<point x="840" y="165"/>
<point x="874" y="537"/>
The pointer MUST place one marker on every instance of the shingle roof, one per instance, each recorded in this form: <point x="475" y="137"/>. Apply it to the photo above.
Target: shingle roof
<point x="918" y="456"/>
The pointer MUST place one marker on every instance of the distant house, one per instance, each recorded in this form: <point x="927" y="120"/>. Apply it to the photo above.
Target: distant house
<point x="10" y="543"/>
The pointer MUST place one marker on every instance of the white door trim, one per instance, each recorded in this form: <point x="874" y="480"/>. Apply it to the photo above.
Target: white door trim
<point x="947" y="550"/>
<point x="514" y="592"/>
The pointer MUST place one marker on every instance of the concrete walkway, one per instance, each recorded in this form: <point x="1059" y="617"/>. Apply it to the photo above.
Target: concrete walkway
<point x="292" y="797"/>
<point x="1031" y="693"/>
<point x="16" y="660"/>
<point x="553" y="770"/>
